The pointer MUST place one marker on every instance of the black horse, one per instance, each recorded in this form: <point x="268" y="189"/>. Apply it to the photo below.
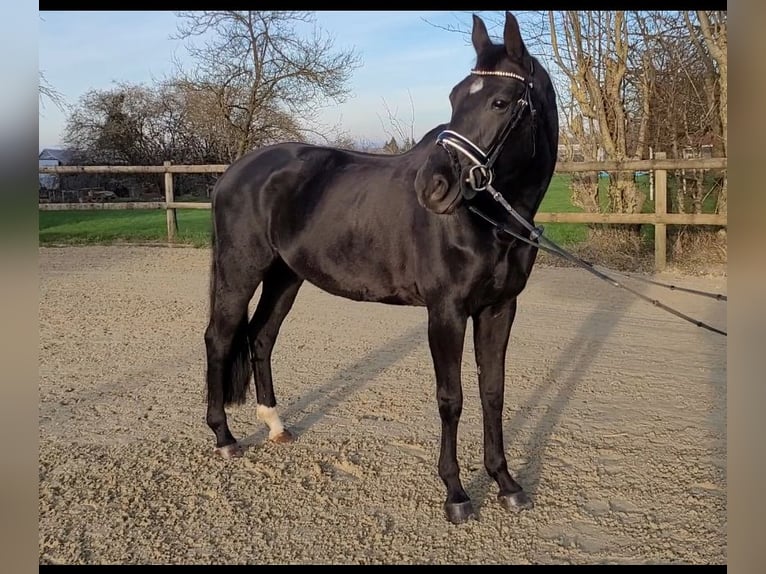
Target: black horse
<point x="392" y="229"/>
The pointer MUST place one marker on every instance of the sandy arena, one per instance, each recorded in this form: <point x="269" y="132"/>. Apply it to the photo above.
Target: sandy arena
<point x="615" y="423"/>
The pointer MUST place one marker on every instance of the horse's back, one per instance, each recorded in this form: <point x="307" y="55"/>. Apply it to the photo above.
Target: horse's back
<point x="265" y="184"/>
<point x="252" y="170"/>
<point x="285" y="168"/>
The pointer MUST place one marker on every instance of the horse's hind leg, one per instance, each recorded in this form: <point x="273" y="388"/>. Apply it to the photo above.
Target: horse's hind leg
<point x="280" y="288"/>
<point x="228" y="358"/>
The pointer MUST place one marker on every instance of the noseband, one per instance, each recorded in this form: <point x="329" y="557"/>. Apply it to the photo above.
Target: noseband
<point x="480" y="175"/>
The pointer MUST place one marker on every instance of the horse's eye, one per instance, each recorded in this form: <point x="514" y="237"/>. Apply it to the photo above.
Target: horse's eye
<point x="500" y="104"/>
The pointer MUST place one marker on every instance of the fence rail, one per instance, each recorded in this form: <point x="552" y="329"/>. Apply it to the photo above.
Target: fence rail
<point x="660" y="219"/>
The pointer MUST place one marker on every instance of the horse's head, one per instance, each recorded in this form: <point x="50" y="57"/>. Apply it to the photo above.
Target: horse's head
<point x="492" y="124"/>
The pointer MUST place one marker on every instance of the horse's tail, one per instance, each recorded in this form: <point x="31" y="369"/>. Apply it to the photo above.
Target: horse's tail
<point x="238" y="366"/>
<point x="235" y="385"/>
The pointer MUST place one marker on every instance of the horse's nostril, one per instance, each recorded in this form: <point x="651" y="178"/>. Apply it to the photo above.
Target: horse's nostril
<point x="440" y="188"/>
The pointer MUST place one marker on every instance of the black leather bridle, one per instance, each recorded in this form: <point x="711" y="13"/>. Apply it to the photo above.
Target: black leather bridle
<point x="480" y="175"/>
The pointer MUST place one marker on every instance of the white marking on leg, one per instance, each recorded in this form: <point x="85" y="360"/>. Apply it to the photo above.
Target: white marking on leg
<point x="476" y="86"/>
<point x="271" y="418"/>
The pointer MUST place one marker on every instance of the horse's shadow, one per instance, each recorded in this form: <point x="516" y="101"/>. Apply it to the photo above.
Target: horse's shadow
<point x="343" y="384"/>
<point x="568" y="371"/>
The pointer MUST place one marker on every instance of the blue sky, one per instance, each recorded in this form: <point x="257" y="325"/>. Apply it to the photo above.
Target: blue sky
<point x="401" y="54"/>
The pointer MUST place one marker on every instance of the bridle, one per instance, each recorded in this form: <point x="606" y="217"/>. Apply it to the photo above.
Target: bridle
<point x="481" y="174"/>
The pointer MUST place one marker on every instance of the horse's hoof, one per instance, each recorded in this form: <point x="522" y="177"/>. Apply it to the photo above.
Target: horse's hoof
<point x="229" y="451"/>
<point x="516" y="501"/>
<point x="283" y="437"/>
<point x="459" y="512"/>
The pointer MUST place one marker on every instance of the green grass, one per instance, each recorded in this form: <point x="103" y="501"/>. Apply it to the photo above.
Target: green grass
<point x="107" y="226"/>
<point x="558" y="200"/>
<point x="87" y="227"/>
<point x="84" y="227"/>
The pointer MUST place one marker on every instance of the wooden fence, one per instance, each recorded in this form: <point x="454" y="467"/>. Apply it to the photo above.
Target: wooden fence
<point x="660" y="219"/>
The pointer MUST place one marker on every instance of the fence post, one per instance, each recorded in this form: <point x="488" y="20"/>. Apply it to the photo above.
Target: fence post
<point x="660" y="209"/>
<point x="170" y="213"/>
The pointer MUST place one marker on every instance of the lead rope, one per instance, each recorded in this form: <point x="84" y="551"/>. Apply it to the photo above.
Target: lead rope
<point x="536" y="234"/>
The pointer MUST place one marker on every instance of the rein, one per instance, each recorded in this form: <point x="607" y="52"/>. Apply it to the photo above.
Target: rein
<point x="551" y="247"/>
<point x="480" y="176"/>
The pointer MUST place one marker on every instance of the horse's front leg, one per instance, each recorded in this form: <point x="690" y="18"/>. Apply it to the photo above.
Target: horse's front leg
<point x="491" y="330"/>
<point x="446" y="334"/>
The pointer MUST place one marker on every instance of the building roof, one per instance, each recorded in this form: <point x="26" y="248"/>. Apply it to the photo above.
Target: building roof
<point x="61" y="155"/>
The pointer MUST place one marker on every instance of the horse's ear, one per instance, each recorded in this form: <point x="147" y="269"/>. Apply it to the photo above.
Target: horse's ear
<point x="479" y="35"/>
<point x="514" y="45"/>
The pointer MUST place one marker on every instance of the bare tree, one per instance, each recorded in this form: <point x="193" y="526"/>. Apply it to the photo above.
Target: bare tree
<point x="47" y="91"/>
<point x="683" y="90"/>
<point x="592" y="50"/>
<point x="130" y="123"/>
<point x="686" y="91"/>
<point x="588" y="54"/>
<point x="714" y="29"/>
<point x="265" y="79"/>
<point x="628" y="82"/>
<point x="144" y="125"/>
<point x="402" y="132"/>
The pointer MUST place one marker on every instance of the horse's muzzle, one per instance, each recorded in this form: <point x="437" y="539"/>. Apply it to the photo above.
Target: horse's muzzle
<point x="434" y="190"/>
